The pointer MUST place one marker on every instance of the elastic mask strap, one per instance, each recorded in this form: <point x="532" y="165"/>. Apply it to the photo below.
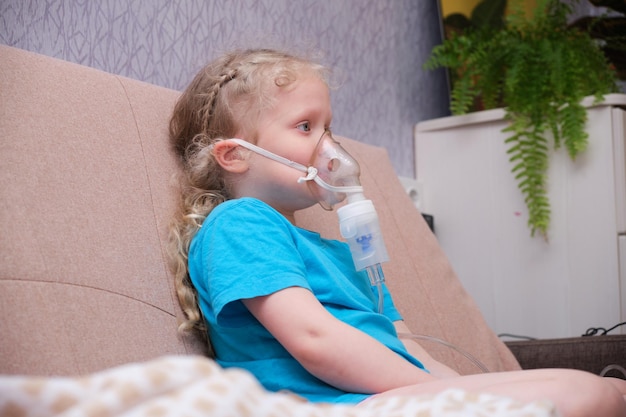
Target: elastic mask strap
<point x="273" y="156"/>
<point x="311" y="172"/>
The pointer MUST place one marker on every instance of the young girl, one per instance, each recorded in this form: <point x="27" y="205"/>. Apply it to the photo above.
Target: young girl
<point x="281" y="301"/>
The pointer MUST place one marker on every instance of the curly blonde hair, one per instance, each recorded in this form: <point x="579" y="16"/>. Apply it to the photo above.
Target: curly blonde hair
<point x="225" y="98"/>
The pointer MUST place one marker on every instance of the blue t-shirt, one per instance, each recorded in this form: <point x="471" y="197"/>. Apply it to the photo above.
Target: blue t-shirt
<point x="247" y="249"/>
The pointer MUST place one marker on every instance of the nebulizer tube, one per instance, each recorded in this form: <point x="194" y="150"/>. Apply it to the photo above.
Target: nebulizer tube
<point x="376" y="276"/>
<point x="466" y="354"/>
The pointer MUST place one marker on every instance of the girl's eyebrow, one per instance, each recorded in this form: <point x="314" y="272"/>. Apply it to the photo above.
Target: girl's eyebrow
<point x="310" y="114"/>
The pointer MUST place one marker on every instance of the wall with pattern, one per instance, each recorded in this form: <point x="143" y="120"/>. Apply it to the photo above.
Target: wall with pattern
<point x="376" y="47"/>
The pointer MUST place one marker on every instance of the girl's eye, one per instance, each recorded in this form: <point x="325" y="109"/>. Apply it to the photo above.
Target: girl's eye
<point x="304" y="126"/>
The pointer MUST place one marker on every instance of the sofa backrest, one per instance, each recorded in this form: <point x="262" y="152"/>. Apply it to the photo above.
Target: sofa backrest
<point x="86" y="192"/>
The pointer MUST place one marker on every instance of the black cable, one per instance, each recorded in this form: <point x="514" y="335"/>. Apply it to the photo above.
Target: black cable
<point x="592" y="331"/>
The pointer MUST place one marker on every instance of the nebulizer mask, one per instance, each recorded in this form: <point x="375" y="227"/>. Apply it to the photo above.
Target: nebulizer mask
<point x="333" y="176"/>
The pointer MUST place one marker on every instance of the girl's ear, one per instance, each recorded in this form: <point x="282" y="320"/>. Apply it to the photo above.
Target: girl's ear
<point x="230" y="156"/>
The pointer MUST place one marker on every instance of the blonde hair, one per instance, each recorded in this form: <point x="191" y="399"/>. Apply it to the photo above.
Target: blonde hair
<point x="224" y="99"/>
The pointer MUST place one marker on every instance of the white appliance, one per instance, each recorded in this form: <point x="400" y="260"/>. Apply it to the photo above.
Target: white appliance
<point x="525" y="285"/>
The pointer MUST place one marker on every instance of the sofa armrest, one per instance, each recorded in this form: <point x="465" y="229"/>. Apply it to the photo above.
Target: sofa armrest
<point x="589" y="353"/>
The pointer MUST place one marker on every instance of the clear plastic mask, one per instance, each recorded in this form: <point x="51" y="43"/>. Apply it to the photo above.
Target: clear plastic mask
<point x="338" y="170"/>
<point x="332" y="172"/>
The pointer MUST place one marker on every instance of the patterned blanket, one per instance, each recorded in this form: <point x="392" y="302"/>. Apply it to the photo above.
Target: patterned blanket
<point x="195" y="386"/>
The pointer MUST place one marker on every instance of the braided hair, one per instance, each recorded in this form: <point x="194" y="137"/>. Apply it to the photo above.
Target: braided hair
<point x="225" y="98"/>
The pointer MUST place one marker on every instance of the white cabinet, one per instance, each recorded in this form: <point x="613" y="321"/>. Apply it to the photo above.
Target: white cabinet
<point x="525" y="285"/>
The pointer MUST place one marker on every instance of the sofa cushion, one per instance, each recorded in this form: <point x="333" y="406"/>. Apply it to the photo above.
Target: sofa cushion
<point x="85" y="192"/>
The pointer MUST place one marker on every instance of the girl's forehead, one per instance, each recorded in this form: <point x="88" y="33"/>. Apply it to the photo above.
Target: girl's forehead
<point x="304" y="92"/>
<point x="302" y="84"/>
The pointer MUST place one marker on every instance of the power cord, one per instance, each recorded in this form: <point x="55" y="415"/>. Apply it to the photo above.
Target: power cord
<point x="592" y="331"/>
<point x="601" y="331"/>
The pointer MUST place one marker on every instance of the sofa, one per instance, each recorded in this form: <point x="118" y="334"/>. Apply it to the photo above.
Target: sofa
<point x="87" y="188"/>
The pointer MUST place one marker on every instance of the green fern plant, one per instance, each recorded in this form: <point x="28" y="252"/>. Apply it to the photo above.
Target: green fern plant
<point x="539" y="70"/>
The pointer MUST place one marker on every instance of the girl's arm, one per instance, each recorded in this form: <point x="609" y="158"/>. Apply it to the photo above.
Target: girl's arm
<point x="435" y="367"/>
<point x="333" y="351"/>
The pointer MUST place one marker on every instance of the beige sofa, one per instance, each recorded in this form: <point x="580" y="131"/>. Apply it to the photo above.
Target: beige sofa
<point x="86" y="193"/>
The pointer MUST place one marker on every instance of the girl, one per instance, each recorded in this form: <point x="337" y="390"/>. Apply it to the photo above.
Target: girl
<point x="281" y="301"/>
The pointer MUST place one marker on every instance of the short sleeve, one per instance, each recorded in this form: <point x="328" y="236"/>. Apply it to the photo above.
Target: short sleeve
<point x="247" y="250"/>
